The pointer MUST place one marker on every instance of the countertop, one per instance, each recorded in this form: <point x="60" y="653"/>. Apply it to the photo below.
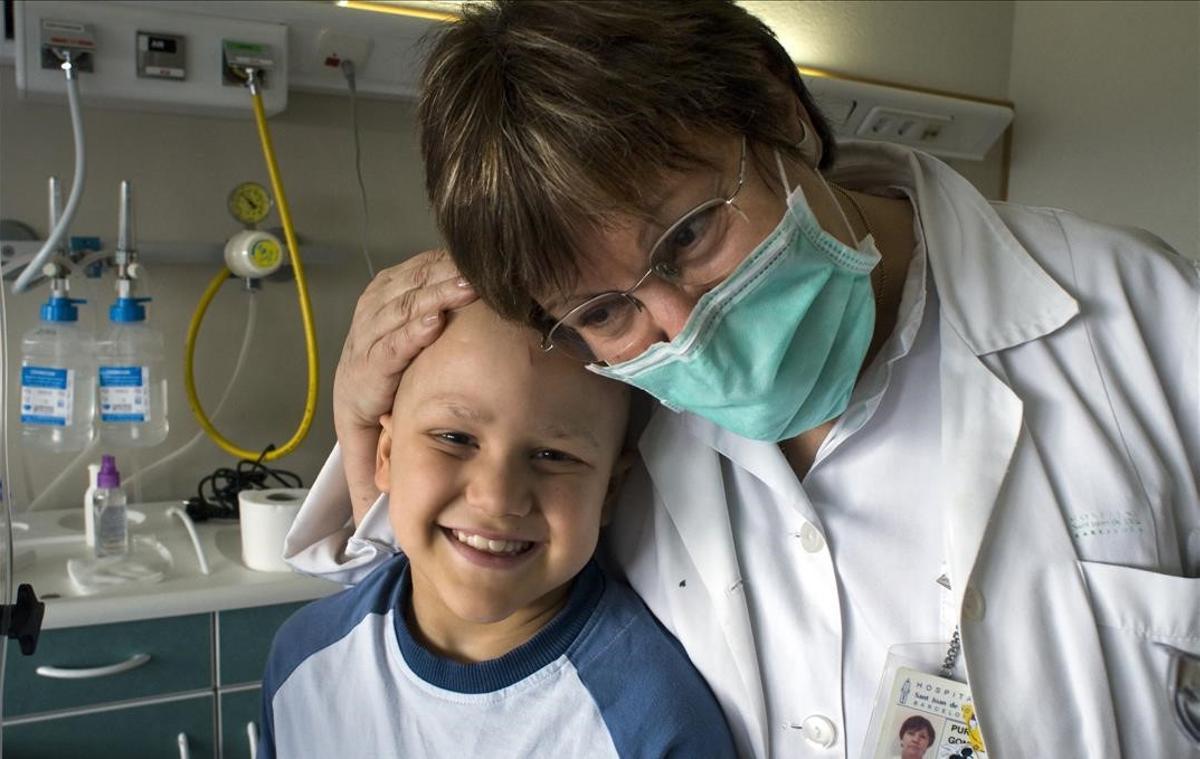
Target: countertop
<point x="45" y="540"/>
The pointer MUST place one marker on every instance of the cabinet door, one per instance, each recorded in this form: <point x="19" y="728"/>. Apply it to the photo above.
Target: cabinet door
<point x="239" y="709"/>
<point x="133" y="732"/>
<point x="245" y="637"/>
<point x="81" y="666"/>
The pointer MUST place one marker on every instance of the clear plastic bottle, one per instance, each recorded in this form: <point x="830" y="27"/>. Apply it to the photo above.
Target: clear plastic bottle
<point x="133" y="385"/>
<point x="57" y="377"/>
<point x="108" y="507"/>
<point x="89" y="517"/>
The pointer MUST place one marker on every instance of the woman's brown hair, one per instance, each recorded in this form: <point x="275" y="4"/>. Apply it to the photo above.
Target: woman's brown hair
<point x="544" y="120"/>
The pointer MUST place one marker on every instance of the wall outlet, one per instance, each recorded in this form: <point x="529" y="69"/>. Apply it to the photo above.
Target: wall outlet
<point x="333" y="47"/>
<point x="909" y="127"/>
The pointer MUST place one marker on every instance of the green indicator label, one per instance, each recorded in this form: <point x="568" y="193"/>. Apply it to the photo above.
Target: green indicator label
<point x="265" y="254"/>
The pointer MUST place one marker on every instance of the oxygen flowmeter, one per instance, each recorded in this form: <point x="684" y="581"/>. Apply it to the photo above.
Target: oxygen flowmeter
<point x="252" y="253"/>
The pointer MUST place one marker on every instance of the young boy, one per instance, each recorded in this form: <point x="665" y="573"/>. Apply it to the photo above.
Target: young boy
<point x="493" y="633"/>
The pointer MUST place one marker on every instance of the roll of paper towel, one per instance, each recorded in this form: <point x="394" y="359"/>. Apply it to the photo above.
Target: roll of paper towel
<point x="266" y="517"/>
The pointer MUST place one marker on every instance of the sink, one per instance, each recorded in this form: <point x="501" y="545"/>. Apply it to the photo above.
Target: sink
<point x="229" y="543"/>
<point x="44" y="545"/>
<point x="45" y="541"/>
<point x="45" y="564"/>
<point x="74" y="520"/>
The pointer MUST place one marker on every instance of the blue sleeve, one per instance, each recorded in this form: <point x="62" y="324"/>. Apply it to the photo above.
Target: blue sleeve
<point x="653" y="701"/>
<point x="266" y="730"/>
<point x="317" y="626"/>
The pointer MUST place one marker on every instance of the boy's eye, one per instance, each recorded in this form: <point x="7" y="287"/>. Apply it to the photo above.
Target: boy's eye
<point x="455" y="438"/>
<point x="552" y="456"/>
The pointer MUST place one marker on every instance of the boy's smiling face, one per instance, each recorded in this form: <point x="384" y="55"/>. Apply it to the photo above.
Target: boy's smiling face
<point x="498" y="460"/>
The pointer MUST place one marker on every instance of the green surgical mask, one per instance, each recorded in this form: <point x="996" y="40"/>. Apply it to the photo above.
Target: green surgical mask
<point x="775" y="349"/>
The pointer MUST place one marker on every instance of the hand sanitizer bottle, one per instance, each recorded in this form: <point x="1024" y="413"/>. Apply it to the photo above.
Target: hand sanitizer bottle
<point x="57" y="394"/>
<point x="108" y="507"/>
<point x="133" y="385"/>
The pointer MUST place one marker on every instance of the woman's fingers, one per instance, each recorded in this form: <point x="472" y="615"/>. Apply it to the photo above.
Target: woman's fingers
<point x="415" y="273"/>
<point x="399" y="314"/>
<point x="417" y="304"/>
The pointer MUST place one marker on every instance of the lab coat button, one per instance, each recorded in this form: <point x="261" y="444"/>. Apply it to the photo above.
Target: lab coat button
<point x="810" y="538"/>
<point x="973" y="606"/>
<point x="819" y="730"/>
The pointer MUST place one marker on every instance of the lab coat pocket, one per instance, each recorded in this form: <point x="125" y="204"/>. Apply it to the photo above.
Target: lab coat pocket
<point x="1148" y="623"/>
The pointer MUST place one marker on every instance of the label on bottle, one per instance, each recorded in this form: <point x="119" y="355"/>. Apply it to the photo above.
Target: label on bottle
<point x="124" y="394"/>
<point x="112" y="536"/>
<point x="47" y="395"/>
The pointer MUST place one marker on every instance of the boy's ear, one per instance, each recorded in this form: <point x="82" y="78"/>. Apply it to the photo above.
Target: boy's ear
<point x="383" y="455"/>
<point x="620" y="469"/>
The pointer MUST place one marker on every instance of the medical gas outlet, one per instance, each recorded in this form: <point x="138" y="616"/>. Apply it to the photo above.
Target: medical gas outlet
<point x="252" y="253"/>
<point x="63" y="39"/>
<point x="238" y="59"/>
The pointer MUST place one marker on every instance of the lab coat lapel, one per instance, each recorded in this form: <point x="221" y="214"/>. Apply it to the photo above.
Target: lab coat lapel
<point x="981" y="421"/>
<point x="992" y="295"/>
<point x="687" y="476"/>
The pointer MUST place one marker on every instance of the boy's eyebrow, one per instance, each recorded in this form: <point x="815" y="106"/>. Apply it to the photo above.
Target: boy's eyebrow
<point x="560" y="431"/>
<point x="557" y="430"/>
<point x="458" y="409"/>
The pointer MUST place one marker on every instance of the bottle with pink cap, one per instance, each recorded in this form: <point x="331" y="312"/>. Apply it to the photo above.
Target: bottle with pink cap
<point x="108" y="509"/>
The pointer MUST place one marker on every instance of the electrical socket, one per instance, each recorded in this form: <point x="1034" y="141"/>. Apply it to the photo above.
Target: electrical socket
<point x="897" y="125"/>
<point x="333" y="47"/>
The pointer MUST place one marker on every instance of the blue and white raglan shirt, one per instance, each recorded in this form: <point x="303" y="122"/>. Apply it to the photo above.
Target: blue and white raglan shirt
<point x="346" y="678"/>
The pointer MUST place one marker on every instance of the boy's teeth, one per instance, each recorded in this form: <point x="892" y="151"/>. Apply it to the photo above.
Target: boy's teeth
<point x="481" y="543"/>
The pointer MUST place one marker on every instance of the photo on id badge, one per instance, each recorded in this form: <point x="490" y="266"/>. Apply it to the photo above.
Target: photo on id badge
<point x="929" y="717"/>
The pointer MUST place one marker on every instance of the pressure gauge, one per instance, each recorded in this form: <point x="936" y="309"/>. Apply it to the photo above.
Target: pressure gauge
<point x="249" y="203"/>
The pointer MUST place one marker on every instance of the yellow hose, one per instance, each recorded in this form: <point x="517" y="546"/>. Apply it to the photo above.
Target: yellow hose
<point x="310" y="336"/>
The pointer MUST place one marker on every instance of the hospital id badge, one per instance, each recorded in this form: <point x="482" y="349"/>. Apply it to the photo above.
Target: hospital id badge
<point x="919" y="715"/>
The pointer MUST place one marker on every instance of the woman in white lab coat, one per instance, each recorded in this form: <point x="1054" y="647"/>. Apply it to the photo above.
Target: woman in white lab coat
<point x="988" y="439"/>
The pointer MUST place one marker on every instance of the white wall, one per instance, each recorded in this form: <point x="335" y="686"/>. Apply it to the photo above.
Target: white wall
<point x="959" y="47"/>
<point x="182" y="169"/>
<point x="1107" y="123"/>
<point x="1108" y="113"/>
<point x="939" y="44"/>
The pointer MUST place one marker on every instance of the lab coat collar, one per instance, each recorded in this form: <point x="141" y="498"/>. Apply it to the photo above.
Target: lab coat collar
<point x="996" y="296"/>
<point x="991" y="291"/>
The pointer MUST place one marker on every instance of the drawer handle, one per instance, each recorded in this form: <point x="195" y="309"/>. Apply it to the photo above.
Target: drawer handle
<point x="252" y="735"/>
<point x="84" y="673"/>
<point x="184" y="751"/>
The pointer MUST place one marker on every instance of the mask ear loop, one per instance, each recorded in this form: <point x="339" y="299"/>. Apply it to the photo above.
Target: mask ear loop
<point x="829" y="190"/>
<point x="787" y="185"/>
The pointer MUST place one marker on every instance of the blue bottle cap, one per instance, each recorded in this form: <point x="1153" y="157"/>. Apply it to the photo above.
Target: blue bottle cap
<point x="128" y="310"/>
<point x="60" y="309"/>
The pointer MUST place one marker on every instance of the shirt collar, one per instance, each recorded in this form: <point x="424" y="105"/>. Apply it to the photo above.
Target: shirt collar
<point x="990" y="290"/>
<point x="551" y="642"/>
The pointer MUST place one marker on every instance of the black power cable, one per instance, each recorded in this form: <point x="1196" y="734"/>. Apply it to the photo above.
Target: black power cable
<point x="217" y="494"/>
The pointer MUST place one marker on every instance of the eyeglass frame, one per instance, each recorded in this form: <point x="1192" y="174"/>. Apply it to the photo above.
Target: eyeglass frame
<point x="653" y="269"/>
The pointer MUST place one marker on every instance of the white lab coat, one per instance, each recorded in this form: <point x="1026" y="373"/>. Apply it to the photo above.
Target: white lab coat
<point x="1070" y="375"/>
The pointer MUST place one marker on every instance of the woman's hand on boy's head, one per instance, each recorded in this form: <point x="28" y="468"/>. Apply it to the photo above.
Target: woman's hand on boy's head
<point x="399" y="314"/>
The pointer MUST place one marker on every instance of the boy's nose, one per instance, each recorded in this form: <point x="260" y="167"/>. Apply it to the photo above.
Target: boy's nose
<point x="498" y="489"/>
